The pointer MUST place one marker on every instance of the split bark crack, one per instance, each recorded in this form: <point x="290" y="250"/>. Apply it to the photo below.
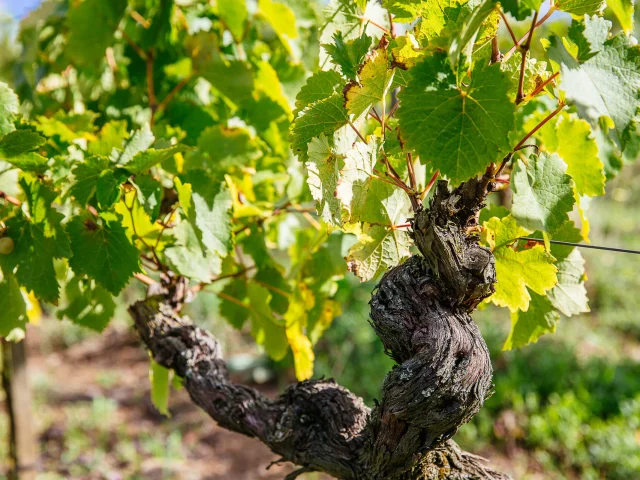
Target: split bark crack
<point x="421" y="312"/>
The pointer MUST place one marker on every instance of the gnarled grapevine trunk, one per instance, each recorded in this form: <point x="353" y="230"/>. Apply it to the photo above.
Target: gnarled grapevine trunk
<point x="420" y="310"/>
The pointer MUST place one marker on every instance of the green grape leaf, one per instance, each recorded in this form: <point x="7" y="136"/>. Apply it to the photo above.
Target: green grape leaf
<point x="584" y="39"/>
<point x="234" y="302"/>
<point x="108" y="189"/>
<point x="567" y="233"/>
<point x="92" y="24"/>
<point x="346" y="17"/>
<point x="517" y="269"/>
<point x="319" y="86"/>
<point x="103" y="251"/>
<point x="280" y="17"/>
<point x="29" y="162"/>
<point x="265" y="328"/>
<point x="458" y="131"/>
<point x="12" y="306"/>
<point x="375" y="78"/>
<point x="143" y="161"/>
<point x="269" y="88"/>
<point x="19" y="142"/>
<point x="38" y="239"/>
<point x="86" y="176"/>
<point x="269" y="274"/>
<point x="623" y="10"/>
<point x="377" y="249"/>
<point x="325" y="116"/>
<point x="68" y="126"/>
<point x="323" y="174"/>
<point x="208" y="208"/>
<point x="366" y="198"/>
<point x="111" y="136"/>
<point x="188" y="258"/>
<point x="33" y="256"/>
<point x="232" y="78"/>
<point x="437" y="15"/>
<point x="405" y="11"/>
<point x="569" y="296"/>
<point x="529" y="326"/>
<point x="520" y="9"/>
<point x="605" y="85"/>
<point x="355" y="177"/>
<point x="88" y="304"/>
<point x="9" y="107"/>
<point x="149" y="194"/>
<point x="571" y="138"/>
<point x="348" y="55"/>
<point x="405" y="54"/>
<point x="296" y="322"/>
<point x="137" y="222"/>
<point x="228" y="146"/>
<point x="492" y="211"/>
<point x="383" y="204"/>
<point x="158" y="33"/>
<point x="140" y="141"/>
<point x="160" y="386"/>
<point x="234" y="15"/>
<point x="476" y="25"/>
<point x="581" y="7"/>
<point x="542" y="193"/>
<point x="535" y="73"/>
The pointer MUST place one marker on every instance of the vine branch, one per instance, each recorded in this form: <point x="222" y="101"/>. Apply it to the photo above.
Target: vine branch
<point x="524" y="50"/>
<point x="512" y="50"/>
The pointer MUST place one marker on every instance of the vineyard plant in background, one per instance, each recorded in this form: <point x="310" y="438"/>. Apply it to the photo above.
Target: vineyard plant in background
<point x="262" y="151"/>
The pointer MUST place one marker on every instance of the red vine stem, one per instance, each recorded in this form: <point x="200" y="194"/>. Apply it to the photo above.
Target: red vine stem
<point x="393" y="109"/>
<point x="153" y="103"/>
<point x="541" y="87"/>
<point x="430" y="184"/>
<point x="539" y="126"/>
<point x="368" y="20"/>
<point x="144" y="279"/>
<point x="506" y="23"/>
<point x="512" y="50"/>
<point x="10" y="199"/>
<point x="523" y="64"/>
<point x="412" y="173"/>
<point x="378" y="176"/>
<point x="183" y="83"/>
<point x="357" y="131"/>
<point x="133" y="45"/>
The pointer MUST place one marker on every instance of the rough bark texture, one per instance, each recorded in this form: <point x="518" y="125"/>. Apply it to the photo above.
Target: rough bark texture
<point x="420" y="311"/>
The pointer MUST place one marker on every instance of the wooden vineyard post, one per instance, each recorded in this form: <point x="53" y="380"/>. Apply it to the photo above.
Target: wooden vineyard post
<point x="23" y="449"/>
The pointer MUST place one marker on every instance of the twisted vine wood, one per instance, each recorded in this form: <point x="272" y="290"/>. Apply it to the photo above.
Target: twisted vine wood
<point x="421" y="312"/>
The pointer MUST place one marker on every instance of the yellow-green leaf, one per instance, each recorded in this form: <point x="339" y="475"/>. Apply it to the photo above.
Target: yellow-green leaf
<point x="527" y="327"/>
<point x="375" y="78"/>
<point x="542" y="193"/>
<point x="160" y="384"/>
<point x="623" y="10"/>
<point x="378" y="248"/>
<point x="517" y="269"/>
<point x="234" y="15"/>
<point x="571" y="138"/>
<point x="296" y="319"/>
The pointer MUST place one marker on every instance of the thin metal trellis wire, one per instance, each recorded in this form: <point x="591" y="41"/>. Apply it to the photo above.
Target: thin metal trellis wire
<point x="583" y="245"/>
